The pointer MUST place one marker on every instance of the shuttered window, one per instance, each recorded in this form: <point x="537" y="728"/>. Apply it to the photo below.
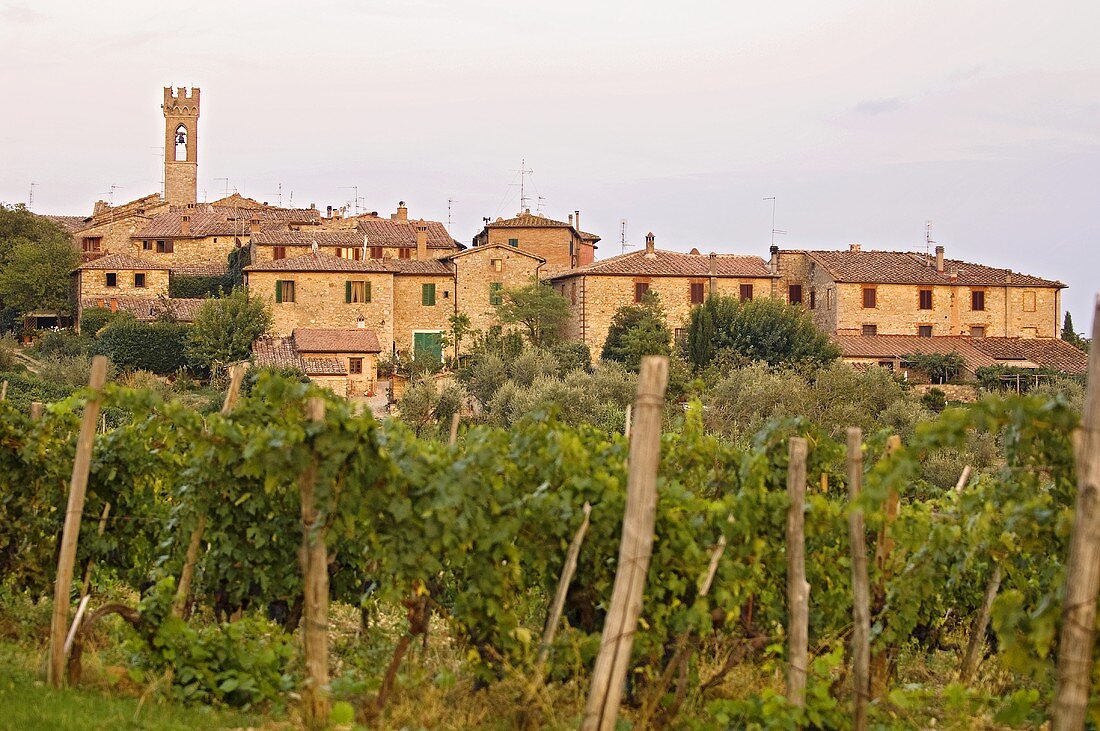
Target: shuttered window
<point x="376" y="252"/>
<point x="640" y="291"/>
<point x="139" y="280"/>
<point x="427" y="294"/>
<point x="696" y="293"/>
<point x="278" y="252"/>
<point x="356" y="291"/>
<point x="746" y="292"/>
<point x="924" y="299"/>
<point x="977" y="299"/>
<point x="870" y="298"/>
<point x="794" y="294"/>
<point x="284" y="290"/>
<point x="496" y="293"/>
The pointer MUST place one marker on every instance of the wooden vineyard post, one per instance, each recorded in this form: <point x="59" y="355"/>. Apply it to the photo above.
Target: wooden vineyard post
<point x="861" y="598"/>
<point x="626" y="422"/>
<point x="36" y="411"/>
<point x="798" y="591"/>
<point x="55" y="669"/>
<point x="884" y="546"/>
<point x="4" y="390"/>
<point x="563" y="588"/>
<point x="194" y="543"/>
<point x="455" y="418"/>
<point x="609" y="673"/>
<point x="315" y="704"/>
<point x="1083" y="567"/>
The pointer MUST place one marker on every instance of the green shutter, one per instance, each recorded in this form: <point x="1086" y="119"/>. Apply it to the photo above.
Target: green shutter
<point x="495" y="289"/>
<point x="278" y="291"/>
<point x="347" y="291"/>
<point x="427" y="294"/>
<point x="367" y="298"/>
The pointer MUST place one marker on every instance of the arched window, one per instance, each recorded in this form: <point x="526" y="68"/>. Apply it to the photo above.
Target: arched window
<point x="181" y="143"/>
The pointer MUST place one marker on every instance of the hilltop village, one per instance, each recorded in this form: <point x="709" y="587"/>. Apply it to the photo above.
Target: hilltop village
<point x="347" y="290"/>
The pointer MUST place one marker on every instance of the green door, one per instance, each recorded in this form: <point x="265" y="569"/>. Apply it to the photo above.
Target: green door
<point x="428" y="345"/>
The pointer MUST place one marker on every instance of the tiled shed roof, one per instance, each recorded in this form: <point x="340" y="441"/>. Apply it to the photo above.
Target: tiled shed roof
<point x="902" y="267"/>
<point x="121" y="261"/>
<point x="351" y="340"/>
<point x="275" y="352"/>
<point x="71" y="224"/>
<point x="978" y="352"/>
<point x="148" y="308"/>
<point x="673" y="264"/>
<point x="321" y="262"/>
<point x="213" y="220"/>
<point x="392" y="233"/>
<point x="1045" y="352"/>
<point x="526" y="219"/>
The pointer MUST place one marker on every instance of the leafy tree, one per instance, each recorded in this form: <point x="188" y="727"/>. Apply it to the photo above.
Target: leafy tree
<point x="766" y="330"/>
<point x="538" y="308"/>
<point x="637" y="330"/>
<point x="159" y="347"/>
<point x="940" y="368"/>
<point x="36" y="258"/>
<point x="225" y="329"/>
<point x="1071" y="336"/>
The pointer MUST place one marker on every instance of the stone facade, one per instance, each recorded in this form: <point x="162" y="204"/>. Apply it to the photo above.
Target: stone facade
<point x="562" y="245"/>
<point x="204" y="255"/>
<point x="481" y="270"/>
<point x="181" y="145"/>
<point x="93" y="282"/>
<point x="411" y="315"/>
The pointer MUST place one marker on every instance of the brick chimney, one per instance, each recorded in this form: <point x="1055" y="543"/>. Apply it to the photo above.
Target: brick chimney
<point x="713" y="274"/>
<point x="185" y="225"/>
<point x="954" y="274"/>
<point x="402" y="212"/>
<point x="570" y="219"/>
<point x="854" y="247"/>
<point x="773" y="262"/>
<point x="649" y="248"/>
<point x="421" y="240"/>
<point x="254" y="224"/>
<point x="939" y="259"/>
<point x="577" y="220"/>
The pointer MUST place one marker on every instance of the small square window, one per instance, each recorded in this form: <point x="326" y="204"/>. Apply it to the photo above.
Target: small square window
<point x="284" y="290"/>
<point x="924" y="299"/>
<point x="924" y="331"/>
<point x="92" y="243"/>
<point x="745" y="291"/>
<point x="404" y="253"/>
<point x="977" y="331"/>
<point x="165" y="247"/>
<point x="497" y="265"/>
<point x="139" y="280"/>
<point x="870" y="298"/>
<point x="696" y="293"/>
<point x="278" y="252"/>
<point x="112" y="279"/>
<point x="869" y="330"/>
<point x="376" y="252"/>
<point x="640" y="291"/>
<point x="357" y="292"/>
<point x="513" y="243"/>
<point x="355" y="366"/>
<point x="146" y="245"/>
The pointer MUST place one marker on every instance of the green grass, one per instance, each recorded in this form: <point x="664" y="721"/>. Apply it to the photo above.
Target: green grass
<point x="28" y="704"/>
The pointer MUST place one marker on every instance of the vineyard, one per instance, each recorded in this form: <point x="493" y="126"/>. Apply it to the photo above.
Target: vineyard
<point x="290" y="556"/>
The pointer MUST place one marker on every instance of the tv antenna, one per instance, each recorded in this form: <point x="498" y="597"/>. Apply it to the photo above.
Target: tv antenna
<point x="928" y="241"/>
<point x="450" y="207"/>
<point x="355" y="191"/>
<point x="622" y="235"/>
<point x="538" y="208"/>
<point x="523" y="173"/>
<point x="775" y="230"/>
<point x="30" y="196"/>
<point x="226" y="185"/>
<point x="279" y="195"/>
<point x="111" y="194"/>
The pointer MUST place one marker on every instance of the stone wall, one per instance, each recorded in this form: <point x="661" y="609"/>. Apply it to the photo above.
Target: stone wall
<point x="550" y="243"/>
<point x="355" y="384"/>
<point x="475" y="274"/>
<point x="93" y="283"/>
<point x="410" y="314"/>
<point x="206" y="251"/>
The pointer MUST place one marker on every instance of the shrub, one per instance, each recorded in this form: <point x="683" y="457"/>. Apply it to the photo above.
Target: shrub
<point x="934" y="399"/>
<point x="195" y="287"/>
<point x="159" y="347"/>
<point x="225" y="329"/>
<point x="636" y="331"/>
<point x="94" y="319"/>
<point x="572" y="356"/>
<point x="64" y="342"/>
<point x="8" y="348"/>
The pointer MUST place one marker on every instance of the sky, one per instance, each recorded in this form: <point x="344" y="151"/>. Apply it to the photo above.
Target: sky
<point x="863" y="120"/>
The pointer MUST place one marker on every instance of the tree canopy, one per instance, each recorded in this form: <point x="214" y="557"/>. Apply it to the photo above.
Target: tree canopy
<point x="225" y="329"/>
<point x="36" y="259"/>
<point x="767" y="330"/>
<point x="637" y="330"/>
<point x="538" y="308"/>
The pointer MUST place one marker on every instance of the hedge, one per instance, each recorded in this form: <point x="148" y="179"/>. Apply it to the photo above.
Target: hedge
<point x="159" y="347"/>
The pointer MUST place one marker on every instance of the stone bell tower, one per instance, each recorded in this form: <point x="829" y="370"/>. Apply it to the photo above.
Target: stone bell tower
<point x="181" y="145"/>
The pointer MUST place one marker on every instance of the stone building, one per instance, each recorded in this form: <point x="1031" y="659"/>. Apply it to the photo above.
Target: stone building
<point x="683" y="281"/>
<point x="561" y="245"/>
<point x="857" y="292"/>
<point x="482" y="273"/>
<point x="181" y="145"/>
<point x="345" y="361"/>
<point x="107" y="280"/>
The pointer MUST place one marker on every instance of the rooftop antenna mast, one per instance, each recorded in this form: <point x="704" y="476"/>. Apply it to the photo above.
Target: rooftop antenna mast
<point x="355" y="192"/>
<point x="111" y="194"/>
<point x="928" y="241"/>
<point x="775" y="230"/>
<point x="523" y="173"/>
<point x="280" y="195"/>
<point x="30" y="196"/>
<point x="622" y="235"/>
<point x="226" y="185"/>
<point x="450" y="207"/>
<point x="538" y="209"/>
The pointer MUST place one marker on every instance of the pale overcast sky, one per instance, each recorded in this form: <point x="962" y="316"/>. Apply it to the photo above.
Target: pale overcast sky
<point x="863" y="119"/>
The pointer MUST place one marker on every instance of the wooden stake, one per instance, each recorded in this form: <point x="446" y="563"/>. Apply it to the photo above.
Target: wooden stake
<point x="36" y="411"/>
<point x="4" y="390"/>
<point x="563" y="587"/>
<point x="798" y="591"/>
<point x="315" y="703"/>
<point x="1083" y="567"/>
<point x="455" y="418"/>
<point x="194" y="543"/>
<point x="71" y="532"/>
<point x="963" y="479"/>
<point x="884" y="546"/>
<point x="977" y="631"/>
<point x="626" y="423"/>
<point x="861" y="598"/>
<point x="635" y="549"/>
<point x="76" y="623"/>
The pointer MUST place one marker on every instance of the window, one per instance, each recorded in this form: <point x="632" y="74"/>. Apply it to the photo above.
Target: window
<point x="404" y="253"/>
<point x="278" y="252"/>
<point x="513" y="242"/>
<point x="870" y="330"/>
<point x="1029" y="301"/>
<point x="924" y="299"/>
<point x="181" y="143"/>
<point x="355" y="366"/>
<point x="813" y="299"/>
<point x="495" y="293"/>
<point x="376" y="252"/>
<point x="696" y="293"/>
<point x="497" y="265"/>
<point x="356" y="291"/>
<point x="794" y="294"/>
<point x="284" y="290"/>
<point x="977" y="299"/>
<point x="924" y="331"/>
<point x="680" y="335"/>
<point x="353" y="253"/>
<point x="977" y="331"/>
<point x="870" y="298"/>
<point x="147" y="245"/>
<point x="640" y="291"/>
<point x="112" y="279"/>
<point x="165" y="247"/>
<point x="427" y="294"/>
<point x="746" y="292"/>
<point x="92" y="243"/>
<point x="139" y="280"/>
<point x="887" y="364"/>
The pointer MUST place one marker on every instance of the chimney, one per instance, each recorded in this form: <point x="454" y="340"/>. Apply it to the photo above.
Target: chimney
<point x="577" y="220"/>
<point x="314" y="246"/>
<point x="185" y="225"/>
<point x="328" y="211"/>
<point x="954" y="274"/>
<point x="1008" y="277"/>
<point x="713" y="274"/>
<point x="570" y="219"/>
<point x="773" y="262"/>
<point x="421" y="240"/>
<point x="649" y="239"/>
<point x="939" y="259"/>
<point x="402" y="212"/>
<point x="313" y="206"/>
<point x="854" y="247"/>
<point x="254" y="224"/>
<point x="366" y="245"/>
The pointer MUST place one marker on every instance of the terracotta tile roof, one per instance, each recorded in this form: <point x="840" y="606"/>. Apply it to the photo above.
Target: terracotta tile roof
<point x="213" y="220"/>
<point x="978" y="352"/>
<point x="351" y="340"/>
<point x="284" y="236"/>
<point x="484" y="247"/>
<point x="148" y="308"/>
<point x="206" y="269"/>
<point x="236" y="200"/>
<point x="277" y="352"/>
<point x="902" y="267"/>
<point x="526" y="219"/>
<point x="71" y="224"/>
<point x="392" y="233"/>
<point x="673" y="264"/>
<point x="135" y="208"/>
<point x="121" y="261"/>
<point x="322" y="262"/>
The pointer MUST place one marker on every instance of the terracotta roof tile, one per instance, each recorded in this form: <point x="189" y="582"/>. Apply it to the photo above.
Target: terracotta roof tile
<point x="277" y="352"/>
<point x="284" y="236"/>
<point x="322" y="262"/>
<point x="527" y="219"/>
<point x="1044" y="352"/>
<point x="213" y="220"/>
<point x="71" y="224"/>
<point x="148" y="308"/>
<point x="121" y="261"/>
<point x="206" y="269"/>
<point x="351" y="340"/>
<point x="391" y="233"/>
<point x="902" y="267"/>
<point x="978" y="352"/>
<point x="673" y="264"/>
